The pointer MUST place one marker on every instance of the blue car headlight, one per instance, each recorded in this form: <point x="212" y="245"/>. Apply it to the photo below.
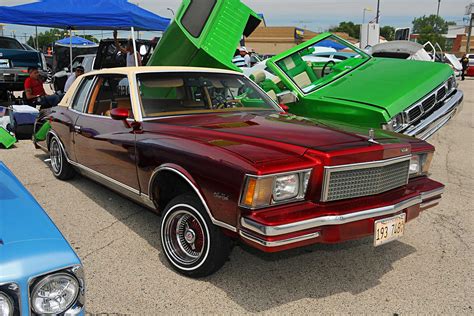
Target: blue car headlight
<point x="55" y="293"/>
<point x="6" y="305"/>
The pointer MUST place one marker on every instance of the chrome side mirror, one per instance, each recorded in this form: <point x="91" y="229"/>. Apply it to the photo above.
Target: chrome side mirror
<point x="287" y="97"/>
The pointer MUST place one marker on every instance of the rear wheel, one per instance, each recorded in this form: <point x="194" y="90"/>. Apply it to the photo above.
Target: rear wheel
<point x="62" y="169"/>
<point x="192" y="244"/>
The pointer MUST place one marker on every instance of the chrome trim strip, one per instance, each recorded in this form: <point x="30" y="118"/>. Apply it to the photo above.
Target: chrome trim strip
<point x="364" y="165"/>
<point x="430" y="203"/>
<point x="328" y="220"/>
<point x="278" y="242"/>
<point x="429" y="194"/>
<point x="203" y="201"/>
<point x="427" y="127"/>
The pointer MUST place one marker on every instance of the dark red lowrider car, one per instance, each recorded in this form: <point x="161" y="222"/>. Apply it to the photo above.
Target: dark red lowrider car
<point x="220" y="161"/>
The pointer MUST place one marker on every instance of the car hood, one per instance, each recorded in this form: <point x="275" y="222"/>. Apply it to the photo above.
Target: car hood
<point x="259" y="137"/>
<point x="384" y="83"/>
<point x="21" y="217"/>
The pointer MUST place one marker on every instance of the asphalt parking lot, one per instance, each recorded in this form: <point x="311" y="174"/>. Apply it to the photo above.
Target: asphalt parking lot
<point x="428" y="271"/>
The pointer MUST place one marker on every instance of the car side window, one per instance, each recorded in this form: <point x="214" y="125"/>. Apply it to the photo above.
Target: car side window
<point x="110" y="92"/>
<point x="81" y="96"/>
<point x="196" y="16"/>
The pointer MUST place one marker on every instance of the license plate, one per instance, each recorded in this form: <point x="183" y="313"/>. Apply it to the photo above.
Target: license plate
<point x="4" y="63"/>
<point x="389" y="229"/>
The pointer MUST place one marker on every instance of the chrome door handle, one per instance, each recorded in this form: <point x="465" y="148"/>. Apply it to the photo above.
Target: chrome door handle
<point x="77" y="129"/>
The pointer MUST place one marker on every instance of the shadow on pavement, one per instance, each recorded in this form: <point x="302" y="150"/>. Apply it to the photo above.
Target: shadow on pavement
<point x="258" y="281"/>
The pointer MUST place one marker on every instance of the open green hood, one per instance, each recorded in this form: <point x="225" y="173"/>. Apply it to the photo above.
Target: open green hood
<point x="205" y="33"/>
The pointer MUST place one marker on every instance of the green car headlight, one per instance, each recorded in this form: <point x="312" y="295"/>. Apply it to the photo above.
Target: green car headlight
<point x="262" y="191"/>
<point x="395" y="124"/>
<point x="54" y="294"/>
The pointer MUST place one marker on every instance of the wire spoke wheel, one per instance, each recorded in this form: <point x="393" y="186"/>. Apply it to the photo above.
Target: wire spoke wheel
<point x="184" y="237"/>
<point x="56" y="157"/>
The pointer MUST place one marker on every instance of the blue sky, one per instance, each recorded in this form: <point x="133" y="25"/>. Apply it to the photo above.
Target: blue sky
<point x="317" y="15"/>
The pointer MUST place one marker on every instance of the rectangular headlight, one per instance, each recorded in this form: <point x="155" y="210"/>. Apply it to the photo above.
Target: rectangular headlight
<point x="420" y="164"/>
<point x="274" y="189"/>
<point x="395" y="124"/>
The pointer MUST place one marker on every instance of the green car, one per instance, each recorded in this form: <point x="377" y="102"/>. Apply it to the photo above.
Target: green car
<point x="348" y="86"/>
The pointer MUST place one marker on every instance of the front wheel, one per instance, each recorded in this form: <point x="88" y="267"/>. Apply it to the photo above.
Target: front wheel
<point x="192" y="244"/>
<point x="61" y="168"/>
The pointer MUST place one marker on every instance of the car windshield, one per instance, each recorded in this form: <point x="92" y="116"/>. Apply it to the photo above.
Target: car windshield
<point x="164" y="94"/>
<point x="320" y="63"/>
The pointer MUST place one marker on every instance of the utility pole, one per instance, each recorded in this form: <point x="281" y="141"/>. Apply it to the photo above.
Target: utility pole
<point x="378" y="12"/>
<point x="469" y="11"/>
<point x="437" y="12"/>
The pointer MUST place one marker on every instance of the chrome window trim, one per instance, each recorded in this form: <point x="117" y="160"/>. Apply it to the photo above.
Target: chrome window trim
<point x="332" y="220"/>
<point x="356" y="166"/>
<point x="198" y="193"/>
<point x="301" y="193"/>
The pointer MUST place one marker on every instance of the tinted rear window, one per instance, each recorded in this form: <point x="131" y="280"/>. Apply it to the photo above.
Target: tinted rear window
<point x="9" y="43"/>
<point x="196" y="16"/>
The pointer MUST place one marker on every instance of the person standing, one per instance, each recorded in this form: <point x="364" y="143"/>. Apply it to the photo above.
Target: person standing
<point x="34" y="91"/>
<point x="465" y="64"/>
<point x="79" y="71"/>
<point x="129" y="51"/>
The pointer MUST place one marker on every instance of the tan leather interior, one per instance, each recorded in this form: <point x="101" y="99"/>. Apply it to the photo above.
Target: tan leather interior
<point x="259" y="76"/>
<point x="302" y="80"/>
<point x="95" y="93"/>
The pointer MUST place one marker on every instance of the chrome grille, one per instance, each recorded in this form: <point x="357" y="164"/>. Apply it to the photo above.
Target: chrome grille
<point x="414" y="113"/>
<point x="350" y="181"/>
<point x="441" y="94"/>
<point x="429" y="102"/>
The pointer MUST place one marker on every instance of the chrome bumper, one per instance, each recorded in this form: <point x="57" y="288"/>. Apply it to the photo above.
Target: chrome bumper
<point x="429" y="125"/>
<point x="271" y="231"/>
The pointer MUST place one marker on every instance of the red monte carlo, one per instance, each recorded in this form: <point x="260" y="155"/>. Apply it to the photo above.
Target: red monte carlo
<point x="220" y="161"/>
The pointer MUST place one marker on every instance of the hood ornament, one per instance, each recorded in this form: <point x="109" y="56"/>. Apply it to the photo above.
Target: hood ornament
<point x="372" y="136"/>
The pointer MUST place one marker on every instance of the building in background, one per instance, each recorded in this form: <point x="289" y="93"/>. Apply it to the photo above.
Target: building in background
<point x="272" y="40"/>
<point x="456" y="39"/>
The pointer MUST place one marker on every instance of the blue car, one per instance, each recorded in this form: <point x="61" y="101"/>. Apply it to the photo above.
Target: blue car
<point x="39" y="271"/>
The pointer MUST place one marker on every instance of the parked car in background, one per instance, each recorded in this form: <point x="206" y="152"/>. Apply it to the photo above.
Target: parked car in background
<point x="410" y="97"/>
<point x="39" y="272"/>
<point x="107" y="56"/>
<point x="415" y="51"/>
<point x="220" y="161"/>
<point x="14" y="62"/>
<point x="470" y="69"/>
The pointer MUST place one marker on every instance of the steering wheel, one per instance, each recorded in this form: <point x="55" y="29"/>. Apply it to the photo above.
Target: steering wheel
<point x="326" y="65"/>
<point x="222" y="103"/>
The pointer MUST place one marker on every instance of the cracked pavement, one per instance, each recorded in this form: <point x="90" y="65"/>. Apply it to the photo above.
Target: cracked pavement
<point x="428" y="271"/>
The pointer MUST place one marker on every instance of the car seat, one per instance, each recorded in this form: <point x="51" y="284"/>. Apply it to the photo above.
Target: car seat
<point x="270" y="87"/>
<point x="301" y="73"/>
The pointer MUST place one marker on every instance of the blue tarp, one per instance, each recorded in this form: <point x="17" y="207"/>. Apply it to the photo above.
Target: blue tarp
<point x="330" y="44"/>
<point x="84" y="15"/>
<point x="76" y="41"/>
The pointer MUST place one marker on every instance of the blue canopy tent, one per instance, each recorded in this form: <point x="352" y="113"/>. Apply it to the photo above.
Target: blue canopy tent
<point x="84" y="15"/>
<point x="75" y="41"/>
<point x="330" y="44"/>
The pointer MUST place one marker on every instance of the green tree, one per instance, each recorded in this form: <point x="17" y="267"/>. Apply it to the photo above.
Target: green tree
<point x="47" y="38"/>
<point x="347" y="27"/>
<point x="388" y="32"/>
<point x="430" y="28"/>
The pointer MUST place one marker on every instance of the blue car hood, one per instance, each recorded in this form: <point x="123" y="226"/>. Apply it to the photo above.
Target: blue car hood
<point x="29" y="240"/>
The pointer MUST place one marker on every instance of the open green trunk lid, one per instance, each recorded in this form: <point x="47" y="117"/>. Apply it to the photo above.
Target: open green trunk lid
<point x="205" y="33"/>
<point x="6" y="139"/>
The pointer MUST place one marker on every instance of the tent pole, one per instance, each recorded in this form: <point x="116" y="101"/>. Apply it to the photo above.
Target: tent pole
<point x="70" y="49"/>
<point x="134" y="46"/>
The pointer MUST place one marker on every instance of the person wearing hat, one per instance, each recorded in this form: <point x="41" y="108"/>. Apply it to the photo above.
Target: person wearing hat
<point x="242" y="58"/>
<point x="79" y="71"/>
